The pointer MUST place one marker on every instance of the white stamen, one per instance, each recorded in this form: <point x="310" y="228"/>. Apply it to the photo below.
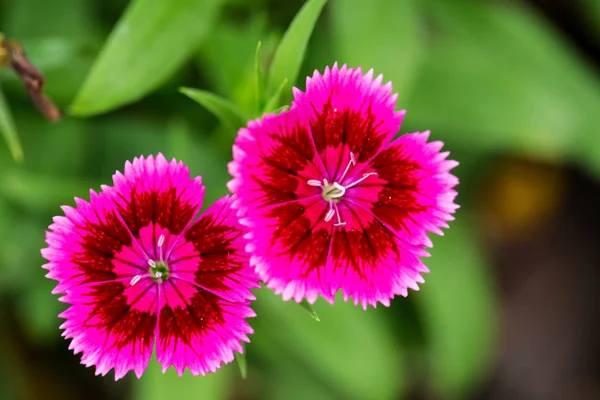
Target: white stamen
<point x="158" y="274"/>
<point x="365" y="176"/>
<point x="339" y="218"/>
<point x="135" y="280"/>
<point x="351" y="163"/>
<point x="161" y="241"/>
<point x="332" y="193"/>
<point x="329" y="214"/>
<point x="152" y="263"/>
<point x="341" y="192"/>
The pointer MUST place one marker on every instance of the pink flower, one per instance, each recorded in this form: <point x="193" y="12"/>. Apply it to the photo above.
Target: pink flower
<point x="138" y="271"/>
<point x="332" y="202"/>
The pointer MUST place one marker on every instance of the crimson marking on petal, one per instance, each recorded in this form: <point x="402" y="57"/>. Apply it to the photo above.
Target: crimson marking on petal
<point x="272" y="194"/>
<point x="384" y="224"/>
<point x="300" y="238"/>
<point x="192" y="316"/>
<point x="221" y="254"/>
<point x="177" y="324"/>
<point x="288" y="156"/>
<point x="397" y="201"/>
<point x="111" y="307"/>
<point x="100" y="242"/>
<point x="165" y="208"/>
<point x="358" y="129"/>
<point x="359" y="249"/>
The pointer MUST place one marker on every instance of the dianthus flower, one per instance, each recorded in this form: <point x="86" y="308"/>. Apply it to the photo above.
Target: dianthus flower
<point x="331" y="201"/>
<point x="139" y="272"/>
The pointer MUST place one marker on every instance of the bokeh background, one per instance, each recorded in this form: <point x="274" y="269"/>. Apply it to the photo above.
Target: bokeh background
<point x="510" y="308"/>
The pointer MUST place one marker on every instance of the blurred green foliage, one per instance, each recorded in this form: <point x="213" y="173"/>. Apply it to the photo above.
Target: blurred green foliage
<point x="487" y="78"/>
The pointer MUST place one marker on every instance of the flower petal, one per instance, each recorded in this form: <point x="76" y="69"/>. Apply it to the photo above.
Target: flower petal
<point x="197" y="329"/>
<point x="157" y="193"/>
<point x="290" y="245"/>
<point x="133" y="271"/>
<point x="347" y="112"/>
<point x="368" y="262"/>
<point x="221" y="265"/>
<point x="113" y="324"/>
<point x="86" y="245"/>
<point x="413" y="191"/>
<point x="273" y="159"/>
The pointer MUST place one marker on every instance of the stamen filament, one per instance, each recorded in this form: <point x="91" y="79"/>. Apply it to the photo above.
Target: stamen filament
<point x="339" y="218"/>
<point x="334" y="192"/>
<point x="352" y="162"/>
<point x="365" y="176"/>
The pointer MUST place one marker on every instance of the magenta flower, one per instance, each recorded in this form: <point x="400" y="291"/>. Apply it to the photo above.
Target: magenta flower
<point x="138" y="271"/>
<point x="332" y="202"/>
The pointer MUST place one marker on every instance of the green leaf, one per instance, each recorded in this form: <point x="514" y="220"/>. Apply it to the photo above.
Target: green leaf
<point x="201" y="155"/>
<point x="351" y="351"/>
<point x="290" y="381"/>
<point x="8" y="130"/>
<point x="151" y="40"/>
<point x="260" y="79"/>
<point x="499" y="78"/>
<point x="311" y="310"/>
<point x="592" y="14"/>
<point x="227" y="59"/>
<point x="290" y="52"/>
<point x="223" y="109"/>
<point x="280" y="109"/>
<point x="41" y="193"/>
<point x="273" y="103"/>
<point x="154" y="385"/>
<point x="458" y="304"/>
<point x="38" y="309"/>
<point x="41" y="18"/>
<point x="384" y="35"/>
<point x="242" y="363"/>
<point x="21" y="235"/>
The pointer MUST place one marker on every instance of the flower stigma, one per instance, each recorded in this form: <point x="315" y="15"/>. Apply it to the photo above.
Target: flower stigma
<point x="333" y="192"/>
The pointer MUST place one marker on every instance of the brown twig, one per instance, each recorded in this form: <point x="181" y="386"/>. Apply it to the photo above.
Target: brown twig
<point x="13" y="55"/>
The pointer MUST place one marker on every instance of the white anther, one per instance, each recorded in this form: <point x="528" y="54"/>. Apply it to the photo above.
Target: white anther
<point x="152" y="263"/>
<point x="334" y="192"/>
<point x="135" y="280"/>
<point x="329" y="215"/>
<point x="339" y="218"/>
<point x="158" y="274"/>
<point x="161" y="240"/>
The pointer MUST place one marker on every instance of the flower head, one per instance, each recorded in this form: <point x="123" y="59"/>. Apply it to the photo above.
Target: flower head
<point x="137" y="272"/>
<point x="332" y="202"/>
